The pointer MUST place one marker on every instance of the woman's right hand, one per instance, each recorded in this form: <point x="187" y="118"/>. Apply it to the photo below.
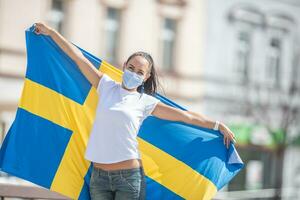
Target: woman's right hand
<point x="41" y="28"/>
<point x="86" y="67"/>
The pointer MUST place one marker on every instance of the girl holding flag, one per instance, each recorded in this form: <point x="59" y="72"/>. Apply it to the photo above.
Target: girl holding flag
<point x="118" y="173"/>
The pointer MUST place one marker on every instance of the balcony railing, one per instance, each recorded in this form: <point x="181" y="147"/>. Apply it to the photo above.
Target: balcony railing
<point x="27" y="192"/>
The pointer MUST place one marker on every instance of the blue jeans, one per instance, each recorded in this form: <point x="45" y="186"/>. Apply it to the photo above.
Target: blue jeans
<point x="122" y="184"/>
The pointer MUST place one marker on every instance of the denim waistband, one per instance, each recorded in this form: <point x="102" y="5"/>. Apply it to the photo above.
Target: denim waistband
<point x="118" y="171"/>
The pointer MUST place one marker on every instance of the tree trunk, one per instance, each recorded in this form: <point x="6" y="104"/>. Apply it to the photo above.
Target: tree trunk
<point x="279" y="172"/>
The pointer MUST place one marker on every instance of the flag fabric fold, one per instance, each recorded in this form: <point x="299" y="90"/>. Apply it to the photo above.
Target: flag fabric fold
<point x="47" y="140"/>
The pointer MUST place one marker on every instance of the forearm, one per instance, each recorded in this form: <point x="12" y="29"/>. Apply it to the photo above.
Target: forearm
<point x="85" y="66"/>
<point x="203" y="121"/>
<point x="73" y="52"/>
<point x="200" y="120"/>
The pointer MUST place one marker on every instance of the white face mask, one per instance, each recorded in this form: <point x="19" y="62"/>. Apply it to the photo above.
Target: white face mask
<point x="131" y="79"/>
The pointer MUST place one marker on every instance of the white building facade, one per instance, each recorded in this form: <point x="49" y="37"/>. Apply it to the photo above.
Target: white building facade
<point x="251" y="62"/>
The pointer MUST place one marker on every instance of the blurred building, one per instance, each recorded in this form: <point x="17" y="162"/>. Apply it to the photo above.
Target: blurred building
<point x="210" y="55"/>
<point x="252" y="81"/>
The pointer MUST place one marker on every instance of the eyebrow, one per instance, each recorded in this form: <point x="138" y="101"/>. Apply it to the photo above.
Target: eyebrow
<point x="134" y="67"/>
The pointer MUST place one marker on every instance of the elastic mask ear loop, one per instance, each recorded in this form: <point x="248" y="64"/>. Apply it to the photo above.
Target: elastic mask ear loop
<point x="142" y="90"/>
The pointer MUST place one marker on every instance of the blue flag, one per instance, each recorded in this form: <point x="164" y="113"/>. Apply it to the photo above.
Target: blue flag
<point x="47" y="140"/>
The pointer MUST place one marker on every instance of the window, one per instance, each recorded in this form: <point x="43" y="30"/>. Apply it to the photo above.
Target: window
<point x="243" y="52"/>
<point x="168" y="44"/>
<point x="112" y="29"/>
<point x="280" y="48"/>
<point x="273" y="62"/>
<point x="56" y="15"/>
<point x="6" y="120"/>
<point x="246" y="20"/>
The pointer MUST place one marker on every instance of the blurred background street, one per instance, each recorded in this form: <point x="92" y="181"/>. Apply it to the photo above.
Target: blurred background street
<point x="236" y="61"/>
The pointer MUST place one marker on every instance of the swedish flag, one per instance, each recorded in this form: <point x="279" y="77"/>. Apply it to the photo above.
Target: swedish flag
<point x="47" y="140"/>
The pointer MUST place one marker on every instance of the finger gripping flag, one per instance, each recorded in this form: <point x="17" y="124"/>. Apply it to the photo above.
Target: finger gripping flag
<point x="47" y="140"/>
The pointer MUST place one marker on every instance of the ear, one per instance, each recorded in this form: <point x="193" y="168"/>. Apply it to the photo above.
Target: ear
<point x="146" y="78"/>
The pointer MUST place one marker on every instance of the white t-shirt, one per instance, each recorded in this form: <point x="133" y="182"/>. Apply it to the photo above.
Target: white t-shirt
<point x="118" y="118"/>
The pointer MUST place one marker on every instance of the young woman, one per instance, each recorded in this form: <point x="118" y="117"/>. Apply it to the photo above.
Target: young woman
<point x="112" y="148"/>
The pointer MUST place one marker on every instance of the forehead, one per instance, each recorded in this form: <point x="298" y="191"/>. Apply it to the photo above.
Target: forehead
<point x="139" y="62"/>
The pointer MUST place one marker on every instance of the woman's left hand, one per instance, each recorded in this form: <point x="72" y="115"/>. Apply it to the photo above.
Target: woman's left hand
<point x="228" y="135"/>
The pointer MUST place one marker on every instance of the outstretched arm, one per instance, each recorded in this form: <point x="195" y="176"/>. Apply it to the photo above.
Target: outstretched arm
<point x="167" y="112"/>
<point x="85" y="66"/>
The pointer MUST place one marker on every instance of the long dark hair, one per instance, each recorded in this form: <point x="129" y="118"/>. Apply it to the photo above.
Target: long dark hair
<point x="150" y="85"/>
